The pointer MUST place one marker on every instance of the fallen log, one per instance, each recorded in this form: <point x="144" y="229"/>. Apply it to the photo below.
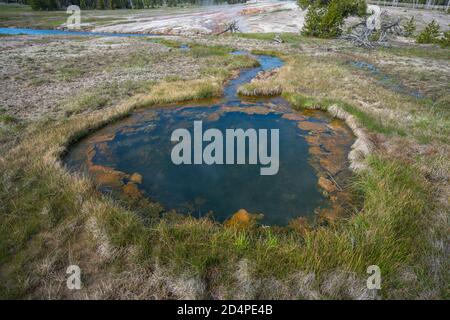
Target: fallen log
<point x="362" y="36"/>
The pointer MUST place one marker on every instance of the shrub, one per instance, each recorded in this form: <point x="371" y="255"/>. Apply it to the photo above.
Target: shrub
<point x="326" y="17"/>
<point x="83" y="4"/>
<point x="410" y="27"/>
<point x="375" y="36"/>
<point x="445" y="41"/>
<point x="430" y="34"/>
<point x="322" y="23"/>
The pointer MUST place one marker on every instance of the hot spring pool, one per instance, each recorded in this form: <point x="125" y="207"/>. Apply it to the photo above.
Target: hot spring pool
<point x="133" y="157"/>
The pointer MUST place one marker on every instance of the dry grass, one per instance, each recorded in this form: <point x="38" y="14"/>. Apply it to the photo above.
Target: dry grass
<point x="413" y="131"/>
<point x="167" y="92"/>
<point x="320" y="80"/>
<point x="51" y="219"/>
<point x="36" y="224"/>
<point x="260" y="88"/>
<point x="78" y="225"/>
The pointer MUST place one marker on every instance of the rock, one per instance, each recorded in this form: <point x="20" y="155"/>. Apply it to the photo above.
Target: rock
<point x="312" y="126"/>
<point x="131" y="190"/>
<point x="293" y="116"/>
<point x="242" y="215"/>
<point x="240" y="219"/>
<point x="109" y="178"/>
<point x="327" y="185"/>
<point x="332" y="165"/>
<point x="136" y="178"/>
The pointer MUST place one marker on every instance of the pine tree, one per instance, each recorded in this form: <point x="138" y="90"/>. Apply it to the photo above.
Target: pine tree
<point x="116" y="4"/>
<point x="410" y="27"/>
<point x="445" y="42"/>
<point x="100" y="5"/>
<point x="430" y="34"/>
<point x="326" y="17"/>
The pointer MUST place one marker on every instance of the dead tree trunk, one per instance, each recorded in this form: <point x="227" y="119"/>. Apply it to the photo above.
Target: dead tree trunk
<point x="277" y="38"/>
<point x="362" y="36"/>
<point x="230" y="27"/>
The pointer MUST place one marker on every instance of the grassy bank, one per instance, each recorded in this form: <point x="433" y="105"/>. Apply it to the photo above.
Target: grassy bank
<point x="44" y="198"/>
<point x="50" y="214"/>
<point x="394" y="119"/>
<point x="51" y="219"/>
<point x="317" y="82"/>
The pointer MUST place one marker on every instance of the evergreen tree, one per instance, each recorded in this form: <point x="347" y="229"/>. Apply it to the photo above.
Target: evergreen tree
<point x="100" y="5"/>
<point x="326" y="17"/>
<point x="111" y="4"/>
<point x="445" y="41"/>
<point x="410" y="27"/>
<point x="430" y="34"/>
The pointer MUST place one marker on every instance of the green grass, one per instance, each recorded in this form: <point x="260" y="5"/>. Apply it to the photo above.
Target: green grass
<point x="387" y="232"/>
<point x="221" y="66"/>
<point x="69" y="73"/>
<point x="7" y="119"/>
<point x="269" y="36"/>
<point x="273" y="53"/>
<point x="10" y="128"/>
<point x="167" y="42"/>
<point x="196" y="50"/>
<point x="309" y="82"/>
<point x="293" y="39"/>
<point x="45" y="210"/>
<point x="13" y="7"/>
<point x="24" y="17"/>
<point x="204" y="51"/>
<point x="420" y="52"/>
<point x="373" y="123"/>
<point x="103" y="96"/>
<point x="299" y="101"/>
<point x="369" y="121"/>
